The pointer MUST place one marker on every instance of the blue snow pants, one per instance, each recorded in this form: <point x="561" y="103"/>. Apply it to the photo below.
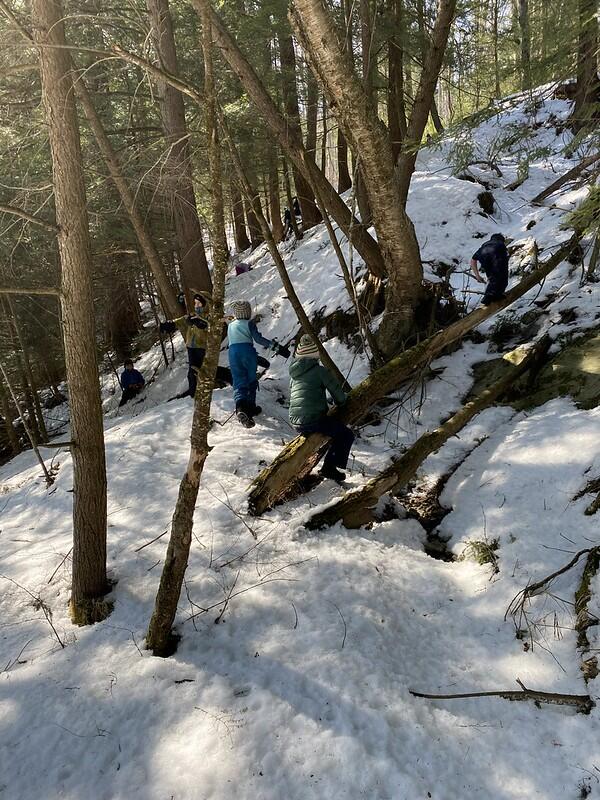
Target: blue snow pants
<point x="242" y="362"/>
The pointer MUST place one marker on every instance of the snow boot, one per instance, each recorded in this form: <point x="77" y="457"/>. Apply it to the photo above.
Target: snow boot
<point x="241" y="412"/>
<point x="256" y="411"/>
<point x="333" y="473"/>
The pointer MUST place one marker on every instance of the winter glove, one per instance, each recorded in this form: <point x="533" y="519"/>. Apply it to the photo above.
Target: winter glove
<point x="283" y="351"/>
<point x="198" y="322"/>
<point x="262" y="362"/>
<point x="168" y="326"/>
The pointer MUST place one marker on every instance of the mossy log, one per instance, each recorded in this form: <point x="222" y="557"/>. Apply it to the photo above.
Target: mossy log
<point x="298" y="457"/>
<point x="356" y="508"/>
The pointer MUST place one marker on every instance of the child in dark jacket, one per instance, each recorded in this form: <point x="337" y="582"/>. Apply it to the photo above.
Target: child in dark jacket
<point x="308" y="406"/>
<point x="132" y="382"/>
<point x="242" y="333"/>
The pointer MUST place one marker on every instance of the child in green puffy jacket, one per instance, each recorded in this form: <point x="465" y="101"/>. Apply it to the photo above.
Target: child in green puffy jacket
<point x="309" y="382"/>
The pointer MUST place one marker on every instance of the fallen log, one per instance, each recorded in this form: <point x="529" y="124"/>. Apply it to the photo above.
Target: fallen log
<point x="568" y="176"/>
<point x="298" y="457"/>
<point x="356" y="508"/>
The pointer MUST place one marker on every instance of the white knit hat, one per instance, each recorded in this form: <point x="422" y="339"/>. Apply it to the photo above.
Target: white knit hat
<point x="307" y="347"/>
<point x="242" y="309"/>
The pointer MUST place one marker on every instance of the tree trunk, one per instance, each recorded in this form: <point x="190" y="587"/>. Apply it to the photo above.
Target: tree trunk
<point x="160" y="637"/>
<point x="396" y="104"/>
<point x="344" y="179"/>
<point x="525" y="45"/>
<point x="292" y="146"/>
<point x="11" y="434"/>
<point x="298" y="458"/>
<point x="362" y="127"/>
<point x="298" y="235"/>
<point x="304" y="191"/>
<point x="242" y="242"/>
<point x="256" y="237"/>
<point x="312" y="113"/>
<point x="587" y="68"/>
<point x="495" y="15"/>
<point x="432" y="65"/>
<point x="89" y="581"/>
<point x="178" y="166"/>
<point x="357" y="508"/>
<point x="165" y="287"/>
<point x="274" y="200"/>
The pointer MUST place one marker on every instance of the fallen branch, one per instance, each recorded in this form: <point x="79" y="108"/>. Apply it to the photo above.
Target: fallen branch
<point x="572" y="173"/>
<point x="356" y="508"/>
<point x="583" y="618"/>
<point x="582" y="702"/>
<point x="517" y="604"/>
<point x="297" y="459"/>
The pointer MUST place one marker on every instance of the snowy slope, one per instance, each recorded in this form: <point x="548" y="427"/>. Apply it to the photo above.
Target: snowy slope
<point x="302" y="689"/>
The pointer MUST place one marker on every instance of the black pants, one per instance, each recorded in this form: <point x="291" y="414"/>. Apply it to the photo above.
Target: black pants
<point x="341" y="440"/>
<point x="195" y="359"/>
<point x="128" y="394"/>
<point x="495" y="289"/>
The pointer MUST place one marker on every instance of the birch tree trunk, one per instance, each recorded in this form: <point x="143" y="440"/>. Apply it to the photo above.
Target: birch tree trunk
<point x="315" y="30"/>
<point x="160" y="638"/>
<point x="194" y="267"/>
<point x="89" y="581"/>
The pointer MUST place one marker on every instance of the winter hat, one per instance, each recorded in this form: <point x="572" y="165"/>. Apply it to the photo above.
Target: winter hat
<point x="307" y="347"/>
<point x="242" y="309"/>
<point x="498" y="237"/>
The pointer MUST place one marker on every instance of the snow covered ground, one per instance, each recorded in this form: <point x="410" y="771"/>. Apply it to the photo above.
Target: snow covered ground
<point x="298" y="649"/>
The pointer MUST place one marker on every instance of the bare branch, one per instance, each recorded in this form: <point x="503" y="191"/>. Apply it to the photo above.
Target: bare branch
<point x="18" y="212"/>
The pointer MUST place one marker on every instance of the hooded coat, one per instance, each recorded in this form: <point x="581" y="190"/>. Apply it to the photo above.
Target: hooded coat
<point x="308" y="383"/>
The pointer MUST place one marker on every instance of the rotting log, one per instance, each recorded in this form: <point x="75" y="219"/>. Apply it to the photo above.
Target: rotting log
<point x="356" y="508"/>
<point x="298" y="457"/>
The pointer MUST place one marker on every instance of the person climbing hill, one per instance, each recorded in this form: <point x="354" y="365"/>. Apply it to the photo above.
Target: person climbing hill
<point x="195" y="329"/>
<point x="493" y="258"/>
<point x="309" y="382"/>
<point x="242" y="333"/>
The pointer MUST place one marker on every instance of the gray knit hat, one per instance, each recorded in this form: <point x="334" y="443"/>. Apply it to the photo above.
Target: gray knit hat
<point x="307" y="347"/>
<point x="242" y="309"/>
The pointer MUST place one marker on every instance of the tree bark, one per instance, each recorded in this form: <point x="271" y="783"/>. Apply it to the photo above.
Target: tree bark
<point x="396" y="105"/>
<point x="395" y="233"/>
<point x="364" y="243"/>
<point x="89" y="581"/>
<point x="587" y="67"/>
<point x="160" y="637"/>
<point x="274" y="199"/>
<point x="178" y="166"/>
<point x="298" y="457"/>
<point x="242" y="242"/>
<point x="304" y="191"/>
<point x="357" y="508"/>
<point x="525" y="45"/>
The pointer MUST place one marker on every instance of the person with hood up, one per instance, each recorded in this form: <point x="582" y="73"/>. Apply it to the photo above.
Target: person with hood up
<point x="309" y="382"/>
<point x="242" y="333"/>
<point x="493" y="258"/>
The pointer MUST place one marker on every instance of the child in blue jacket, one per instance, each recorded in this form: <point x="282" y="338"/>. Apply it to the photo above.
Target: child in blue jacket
<point x="242" y="333"/>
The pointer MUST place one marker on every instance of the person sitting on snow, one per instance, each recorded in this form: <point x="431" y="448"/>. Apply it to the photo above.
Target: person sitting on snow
<point x="241" y="267"/>
<point x="493" y="258"/>
<point x="242" y="332"/>
<point x="132" y="382"/>
<point x="195" y="329"/>
<point x="309" y="382"/>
